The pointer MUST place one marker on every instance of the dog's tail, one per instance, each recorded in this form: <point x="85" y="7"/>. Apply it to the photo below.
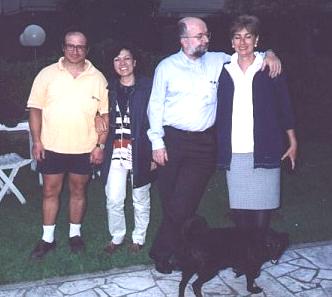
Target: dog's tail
<point x="193" y="227"/>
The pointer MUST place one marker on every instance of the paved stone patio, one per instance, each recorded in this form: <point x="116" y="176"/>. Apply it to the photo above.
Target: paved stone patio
<point x="303" y="271"/>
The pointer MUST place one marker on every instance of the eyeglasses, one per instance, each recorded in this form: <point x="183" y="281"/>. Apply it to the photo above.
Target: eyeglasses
<point x="200" y="36"/>
<point x="72" y="47"/>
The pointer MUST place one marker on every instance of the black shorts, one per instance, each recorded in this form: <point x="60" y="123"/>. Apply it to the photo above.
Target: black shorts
<point x="56" y="163"/>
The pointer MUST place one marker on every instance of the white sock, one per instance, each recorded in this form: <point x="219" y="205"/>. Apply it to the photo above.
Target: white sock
<point x="74" y="230"/>
<point x="48" y="233"/>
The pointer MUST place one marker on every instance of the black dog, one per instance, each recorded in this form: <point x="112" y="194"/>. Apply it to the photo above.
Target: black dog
<point x="207" y="250"/>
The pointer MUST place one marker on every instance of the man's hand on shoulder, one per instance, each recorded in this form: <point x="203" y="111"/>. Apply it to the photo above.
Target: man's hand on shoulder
<point x="160" y="156"/>
<point x="273" y="62"/>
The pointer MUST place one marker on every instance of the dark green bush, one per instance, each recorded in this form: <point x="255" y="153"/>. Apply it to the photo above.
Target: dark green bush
<point x="311" y="89"/>
<point x="308" y="78"/>
<point x="16" y="80"/>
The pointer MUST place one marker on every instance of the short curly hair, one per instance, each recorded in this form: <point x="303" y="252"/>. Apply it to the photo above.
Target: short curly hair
<point x="249" y="22"/>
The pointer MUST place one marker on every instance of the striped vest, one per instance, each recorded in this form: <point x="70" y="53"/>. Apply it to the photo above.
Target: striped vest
<point x="122" y="148"/>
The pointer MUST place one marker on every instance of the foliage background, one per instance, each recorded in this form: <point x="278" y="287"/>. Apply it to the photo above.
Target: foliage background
<point x="298" y="31"/>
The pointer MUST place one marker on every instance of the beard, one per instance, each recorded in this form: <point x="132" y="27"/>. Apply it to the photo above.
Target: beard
<point x="199" y="51"/>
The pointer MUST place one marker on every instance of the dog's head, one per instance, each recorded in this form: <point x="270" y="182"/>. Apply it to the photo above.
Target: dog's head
<point x="275" y="245"/>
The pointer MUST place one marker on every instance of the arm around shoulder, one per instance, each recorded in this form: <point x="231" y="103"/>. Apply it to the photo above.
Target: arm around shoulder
<point x="273" y="62"/>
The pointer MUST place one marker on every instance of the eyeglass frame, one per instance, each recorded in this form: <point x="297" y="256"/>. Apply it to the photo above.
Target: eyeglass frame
<point x="200" y="36"/>
<point x="72" y="47"/>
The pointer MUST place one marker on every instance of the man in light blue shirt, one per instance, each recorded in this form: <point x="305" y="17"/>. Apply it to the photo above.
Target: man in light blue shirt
<point x="182" y="111"/>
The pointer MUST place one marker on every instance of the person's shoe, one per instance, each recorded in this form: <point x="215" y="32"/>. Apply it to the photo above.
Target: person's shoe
<point x="111" y="248"/>
<point x="163" y="266"/>
<point x="135" y="247"/>
<point x="41" y="249"/>
<point x="76" y="244"/>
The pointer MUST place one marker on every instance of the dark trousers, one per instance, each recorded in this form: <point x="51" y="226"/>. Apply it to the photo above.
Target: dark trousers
<point x="182" y="182"/>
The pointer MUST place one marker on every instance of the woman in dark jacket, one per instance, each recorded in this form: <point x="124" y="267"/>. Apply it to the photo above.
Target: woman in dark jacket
<point x="127" y="150"/>
<point x="253" y="117"/>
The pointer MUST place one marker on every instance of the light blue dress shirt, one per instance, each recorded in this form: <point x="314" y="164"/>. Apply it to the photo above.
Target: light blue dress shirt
<point x="184" y="94"/>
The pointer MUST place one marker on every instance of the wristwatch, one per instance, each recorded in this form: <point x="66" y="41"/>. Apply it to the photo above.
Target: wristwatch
<point x="100" y="145"/>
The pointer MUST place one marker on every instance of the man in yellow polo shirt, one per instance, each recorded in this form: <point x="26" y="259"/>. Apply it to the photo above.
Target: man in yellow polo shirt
<point x="63" y="103"/>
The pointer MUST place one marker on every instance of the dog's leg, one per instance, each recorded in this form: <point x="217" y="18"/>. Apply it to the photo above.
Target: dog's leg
<point x="237" y="272"/>
<point x="197" y="287"/>
<point x="251" y="285"/>
<point x="186" y="276"/>
<point x="203" y="277"/>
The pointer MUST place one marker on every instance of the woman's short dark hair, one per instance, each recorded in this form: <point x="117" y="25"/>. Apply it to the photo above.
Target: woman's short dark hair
<point x="249" y="22"/>
<point x="114" y="51"/>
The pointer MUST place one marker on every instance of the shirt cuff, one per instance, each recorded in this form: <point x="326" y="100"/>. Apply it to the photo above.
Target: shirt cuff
<point x="157" y="144"/>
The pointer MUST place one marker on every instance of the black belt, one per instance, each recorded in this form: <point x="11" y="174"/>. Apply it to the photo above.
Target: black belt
<point x="207" y="131"/>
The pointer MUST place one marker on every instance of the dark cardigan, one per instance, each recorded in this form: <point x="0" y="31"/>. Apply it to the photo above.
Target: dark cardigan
<point x="141" y="145"/>
<point x="272" y="114"/>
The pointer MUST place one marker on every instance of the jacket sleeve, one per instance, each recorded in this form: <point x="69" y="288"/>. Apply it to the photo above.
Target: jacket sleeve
<point x="287" y="119"/>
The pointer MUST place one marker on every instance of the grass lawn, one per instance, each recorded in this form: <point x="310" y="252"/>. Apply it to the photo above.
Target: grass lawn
<point x="305" y="214"/>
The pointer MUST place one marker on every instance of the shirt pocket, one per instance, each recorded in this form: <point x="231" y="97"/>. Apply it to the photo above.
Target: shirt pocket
<point x="208" y="91"/>
<point x="88" y="99"/>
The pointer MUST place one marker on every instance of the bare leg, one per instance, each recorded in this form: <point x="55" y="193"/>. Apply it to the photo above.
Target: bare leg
<point x="51" y="190"/>
<point x="77" y="199"/>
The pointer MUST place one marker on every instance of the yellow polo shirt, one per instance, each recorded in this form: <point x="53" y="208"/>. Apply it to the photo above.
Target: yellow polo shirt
<point x="69" y="106"/>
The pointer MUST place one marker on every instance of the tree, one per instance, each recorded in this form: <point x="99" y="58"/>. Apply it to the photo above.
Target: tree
<point x="275" y="7"/>
<point x="296" y="19"/>
<point x="110" y="18"/>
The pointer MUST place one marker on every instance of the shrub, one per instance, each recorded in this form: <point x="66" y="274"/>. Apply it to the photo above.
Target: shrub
<point x="308" y="81"/>
<point x="16" y="79"/>
<point x="311" y="89"/>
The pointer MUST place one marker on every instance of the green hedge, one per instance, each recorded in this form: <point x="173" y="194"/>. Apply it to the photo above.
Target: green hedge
<point x="308" y="78"/>
<point x="311" y="89"/>
<point x="16" y="79"/>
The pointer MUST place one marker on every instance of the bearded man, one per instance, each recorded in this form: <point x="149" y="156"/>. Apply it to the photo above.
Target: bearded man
<point x="182" y="112"/>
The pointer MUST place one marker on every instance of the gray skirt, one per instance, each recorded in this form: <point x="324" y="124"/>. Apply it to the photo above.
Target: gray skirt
<point x="251" y="188"/>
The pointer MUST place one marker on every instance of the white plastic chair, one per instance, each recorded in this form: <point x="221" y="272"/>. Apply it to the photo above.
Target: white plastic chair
<point x="12" y="162"/>
<point x="24" y="126"/>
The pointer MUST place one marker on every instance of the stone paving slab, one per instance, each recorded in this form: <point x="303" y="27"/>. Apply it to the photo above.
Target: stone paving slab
<point x="303" y="271"/>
